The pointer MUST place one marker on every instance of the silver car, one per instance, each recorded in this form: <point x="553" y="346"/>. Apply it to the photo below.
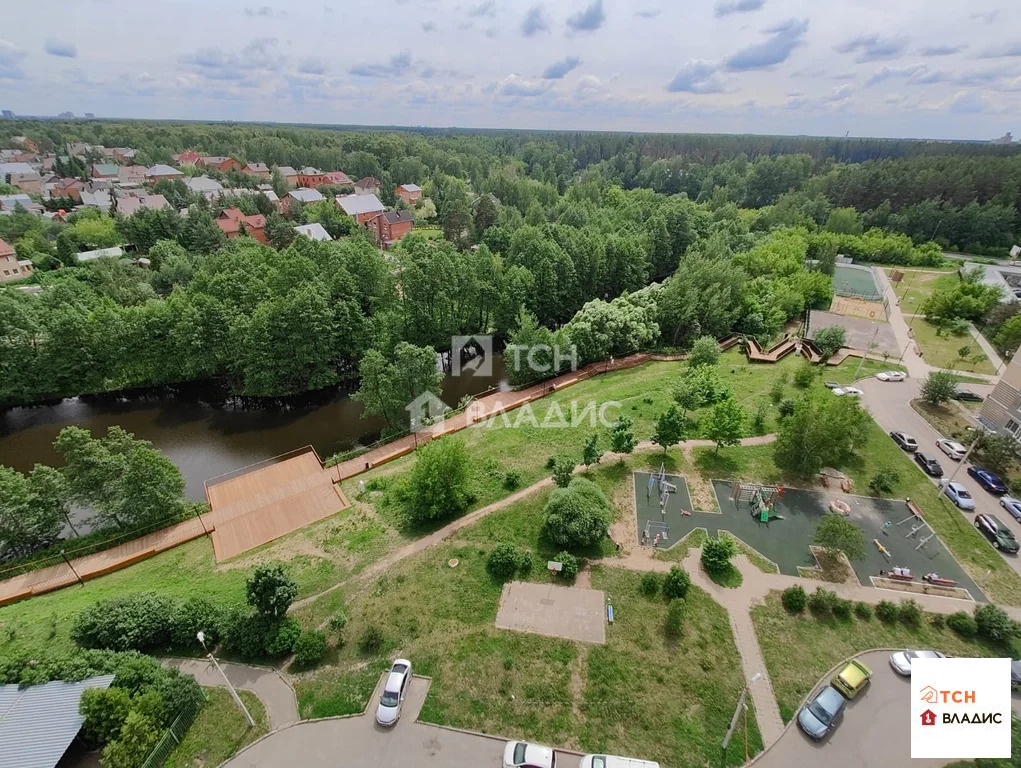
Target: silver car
<point x="901" y="660"/>
<point x="394" y="692"/>
<point x="954" y="450"/>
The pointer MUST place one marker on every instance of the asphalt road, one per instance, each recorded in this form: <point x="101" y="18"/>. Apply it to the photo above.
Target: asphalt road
<point x="890" y="405"/>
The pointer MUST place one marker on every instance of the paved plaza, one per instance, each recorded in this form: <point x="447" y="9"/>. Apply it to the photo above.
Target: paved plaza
<point x="548" y="609"/>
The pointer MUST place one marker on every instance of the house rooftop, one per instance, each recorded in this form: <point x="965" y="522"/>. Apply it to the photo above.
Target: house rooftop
<point x="356" y="204"/>
<point x="19" y="168"/>
<point x="257" y="167"/>
<point x="10" y="202"/>
<point x="411" y="187"/>
<point x="203" y="184"/>
<point x="306" y="195"/>
<point x="396" y="217"/>
<point x="286" y="170"/>
<point x="368" y="181"/>
<point x="101" y="253"/>
<point x="314" y="230"/>
<point x="308" y="170"/>
<point x="162" y="170"/>
<point x="126" y="206"/>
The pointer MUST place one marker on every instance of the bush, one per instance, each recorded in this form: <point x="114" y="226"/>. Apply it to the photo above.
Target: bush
<point x="525" y="565"/>
<point x="551" y="461"/>
<point x="104" y="710"/>
<point x="993" y="623"/>
<point x="794" y="599"/>
<point x="194" y="615"/>
<point x="139" y="622"/>
<point x="255" y="636"/>
<point x="511" y="480"/>
<point x="677" y="583"/>
<point x="716" y="554"/>
<point x="675" y="616"/>
<point x="503" y="561"/>
<point x="370" y="641"/>
<point x="577" y="516"/>
<point x="786" y="407"/>
<point x="910" y="613"/>
<point x="884" y="481"/>
<point x="803" y="376"/>
<point x="338" y="620"/>
<point x="841" y="608"/>
<point x="937" y="620"/>
<point x="963" y="624"/>
<point x="570" y="563"/>
<point x="563" y="471"/>
<point x="281" y="635"/>
<point x="270" y="590"/>
<point x="309" y="648"/>
<point x="439" y="484"/>
<point x="776" y="391"/>
<point x="863" y="611"/>
<point x="887" y="611"/>
<point x="821" y="601"/>
<point x="650" y="585"/>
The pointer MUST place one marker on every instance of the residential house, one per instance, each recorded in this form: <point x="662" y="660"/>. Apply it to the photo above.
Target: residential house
<point x="290" y="175"/>
<point x="23" y="176"/>
<point x="101" y="253"/>
<point x="104" y="171"/>
<point x="160" y="171"/>
<point x="31" y="146"/>
<point x="314" y="231"/>
<point x="270" y="195"/>
<point x="8" y="203"/>
<point x="311" y="177"/>
<point x="259" y="170"/>
<point x="82" y="150"/>
<point x="409" y="193"/>
<point x="367" y="186"/>
<point x="68" y="187"/>
<point x="223" y="164"/>
<point x="339" y="179"/>
<point x="11" y="268"/>
<point x="303" y="195"/>
<point x="231" y="221"/>
<point x="362" y="208"/>
<point x="131" y="174"/>
<point x="205" y="186"/>
<point x="390" y="226"/>
<point x="128" y="206"/>
<point x="1001" y="410"/>
<point x="187" y="158"/>
<point x="124" y="154"/>
<point x="97" y="198"/>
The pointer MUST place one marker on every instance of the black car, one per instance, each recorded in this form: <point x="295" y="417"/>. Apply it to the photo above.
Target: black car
<point x="905" y="441"/>
<point x="968" y="395"/>
<point x="997" y="533"/>
<point x="929" y="465"/>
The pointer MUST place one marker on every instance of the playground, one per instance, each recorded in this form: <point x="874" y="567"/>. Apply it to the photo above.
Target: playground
<point x="780" y="524"/>
<point x="855" y="280"/>
<point x="662" y="508"/>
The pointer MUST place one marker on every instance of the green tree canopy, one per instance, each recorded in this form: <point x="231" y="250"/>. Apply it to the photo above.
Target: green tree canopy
<point x="823" y="431"/>
<point x="577" y="516"/>
<point x="440" y="481"/>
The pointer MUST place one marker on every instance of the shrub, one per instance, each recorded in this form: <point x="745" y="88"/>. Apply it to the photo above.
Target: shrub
<point x="371" y="640"/>
<point x="786" y="407"/>
<point x="794" y="599"/>
<point x="884" y="480"/>
<point x="256" y="636"/>
<point x="759" y="419"/>
<point x="863" y="611"/>
<point x="270" y="590"/>
<point x="993" y="623"/>
<point x="570" y="563"/>
<point x="511" y="480"/>
<point x="503" y="561"/>
<point x="440" y="481"/>
<point x="803" y="376"/>
<point x="551" y="461"/>
<point x="716" y="554"/>
<point x="650" y="585"/>
<point x="281" y="635"/>
<point x="937" y="620"/>
<point x="910" y="613"/>
<point x="338" y="620"/>
<point x="139" y="622"/>
<point x="563" y="471"/>
<point x="197" y="614"/>
<point x="104" y="710"/>
<point x="842" y="608"/>
<point x="776" y="391"/>
<point x="887" y="611"/>
<point x="821" y="601"/>
<point x="963" y="624"/>
<point x="675" y="616"/>
<point x="309" y="648"/>
<point x="576" y="516"/>
<point x="525" y="564"/>
<point x="677" y="583"/>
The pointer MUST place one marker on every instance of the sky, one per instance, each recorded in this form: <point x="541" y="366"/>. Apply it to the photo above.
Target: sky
<point x="898" y="68"/>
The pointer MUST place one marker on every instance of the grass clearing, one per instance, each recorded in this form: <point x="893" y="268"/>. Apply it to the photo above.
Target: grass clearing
<point x="219" y="731"/>
<point x="918" y="285"/>
<point x="947" y="419"/>
<point x="799" y="650"/>
<point x="942" y="351"/>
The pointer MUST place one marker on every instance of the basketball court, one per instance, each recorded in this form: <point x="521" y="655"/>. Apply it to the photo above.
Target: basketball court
<point x="662" y="505"/>
<point x="855" y="307"/>
<point x="552" y="610"/>
<point x="266" y="501"/>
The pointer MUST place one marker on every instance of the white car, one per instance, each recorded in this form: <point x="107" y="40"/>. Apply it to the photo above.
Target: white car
<point x="891" y="376"/>
<point x="955" y="451"/>
<point x="901" y="661"/>
<point x="851" y="391"/>
<point x="394" y="692"/>
<point x="520" y="754"/>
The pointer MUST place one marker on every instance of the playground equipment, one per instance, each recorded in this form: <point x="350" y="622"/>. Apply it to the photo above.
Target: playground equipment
<point x="655" y="533"/>
<point x="882" y="550"/>
<point x="762" y="498"/>
<point x="919" y="526"/>
<point x="840" y="507"/>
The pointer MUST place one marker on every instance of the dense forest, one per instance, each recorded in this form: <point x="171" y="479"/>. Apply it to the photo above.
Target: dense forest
<point x="572" y="234"/>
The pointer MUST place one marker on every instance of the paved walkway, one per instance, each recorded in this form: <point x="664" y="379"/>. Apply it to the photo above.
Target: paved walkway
<point x="271" y="688"/>
<point x="987" y="349"/>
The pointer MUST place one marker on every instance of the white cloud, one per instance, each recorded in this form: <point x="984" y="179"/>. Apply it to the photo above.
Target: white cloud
<point x="515" y="85"/>
<point x="62" y="48"/>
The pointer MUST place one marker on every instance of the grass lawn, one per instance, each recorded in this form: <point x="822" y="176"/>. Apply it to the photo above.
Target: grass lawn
<point x="799" y="650"/>
<point x="947" y="419"/>
<point x="918" y="285"/>
<point x="219" y="731"/>
<point x="942" y="351"/>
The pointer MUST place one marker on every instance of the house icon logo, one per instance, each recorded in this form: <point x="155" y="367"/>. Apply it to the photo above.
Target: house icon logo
<point x="928" y="717"/>
<point x="425" y="410"/>
<point x="478" y="350"/>
<point x="929" y="695"/>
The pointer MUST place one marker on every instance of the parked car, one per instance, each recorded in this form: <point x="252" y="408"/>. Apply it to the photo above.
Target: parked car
<point x="966" y="395"/>
<point x="852" y="679"/>
<point x="831" y="384"/>
<point x="1015" y="672"/>
<point x="928" y="464"/>
<point x="822" y="714"/>
<point x="1012" y="505"/>
<point x="851" y="391"/>
<point x="997" y="533"/>
<point x="955" y="451"/>
<point x="610" y="761"/>
<point x="901" y="660"/>
<point x="905" y="441"/>
<point x="958" y="494"/>
<point x="891" y="376"/>
<point x="394" y="692"/>
<point x="988" y="480"/>
<point x="521" y="754"/>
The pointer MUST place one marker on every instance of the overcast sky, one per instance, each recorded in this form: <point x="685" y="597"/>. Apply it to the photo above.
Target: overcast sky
<point x="921" y="68"/>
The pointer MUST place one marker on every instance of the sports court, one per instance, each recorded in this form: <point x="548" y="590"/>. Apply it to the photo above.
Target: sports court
<point x="549" y="609"/>
<point x="860" y="332"/>
<point x="855" y="280"/>
<point x="268" y="500"/>
<point x="849" y="305"/>
<point x="660" y="508"/>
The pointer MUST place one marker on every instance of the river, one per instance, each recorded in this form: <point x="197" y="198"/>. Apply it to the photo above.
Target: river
<point x="206" y="439"/>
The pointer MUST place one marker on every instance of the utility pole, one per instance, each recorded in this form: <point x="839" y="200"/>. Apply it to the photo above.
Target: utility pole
<point x="234" y="694"/>
<point x="868" y="350"/>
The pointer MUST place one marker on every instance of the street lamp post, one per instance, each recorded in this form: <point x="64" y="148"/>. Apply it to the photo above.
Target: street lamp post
<point x="234" y="694"/>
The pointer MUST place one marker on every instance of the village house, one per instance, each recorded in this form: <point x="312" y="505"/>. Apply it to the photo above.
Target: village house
<point x="339" y="179"/>
<point x="131" y="174"/>
<point x="26" y="142"/>
<point x="314" y="231"/>
<point x="187" y="158"/>
<point x="233" y="220"/>
<point x="115" y="252"/>
<point x="367" y="186"/>
<point x="96" y="198"/>
<point x="10" y="267"/>
<point x="104" y="170"/>
<point x="128" y="206"/>
<point x="23" y="176"/>
<point x="205" y="186"/>
<point x="311" y="177"/>
<point x="158" y="172"/>
<point x="389" y="227"/>
<point x="302" y="195"/>
<point x="290" y="175"/>
<point x="9" y="203"/>
<point x="124" y="154"/>
<point x="81" y="150"/>
<point x="223" y="164"/>
<point x="409" y="193"/>
<point x="68" y="187"/>
<point x="361" y="208"/>
<point x="259" y="170"/>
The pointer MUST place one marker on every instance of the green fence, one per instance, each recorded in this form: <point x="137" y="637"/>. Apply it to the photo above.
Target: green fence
<point x="172" y="737"/>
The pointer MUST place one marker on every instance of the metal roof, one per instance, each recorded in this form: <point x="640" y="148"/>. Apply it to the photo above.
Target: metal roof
<point x="355" y="204"/>
<point x="306" y="195"/>
<point x="315" y="230"/>
<point x="38" y="723"/>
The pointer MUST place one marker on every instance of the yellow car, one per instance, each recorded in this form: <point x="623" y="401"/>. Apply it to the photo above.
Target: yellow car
<point x="852" y="678"/>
